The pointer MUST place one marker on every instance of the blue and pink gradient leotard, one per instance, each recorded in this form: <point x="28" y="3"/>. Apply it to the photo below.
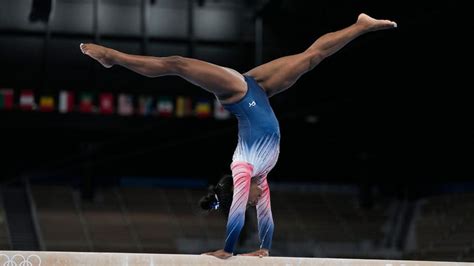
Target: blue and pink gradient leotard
<point x="256" y="154"/>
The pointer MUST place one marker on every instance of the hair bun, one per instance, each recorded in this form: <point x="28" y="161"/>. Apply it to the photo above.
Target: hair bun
<point x="219" y="197"/>
<point x="209" y="201"/>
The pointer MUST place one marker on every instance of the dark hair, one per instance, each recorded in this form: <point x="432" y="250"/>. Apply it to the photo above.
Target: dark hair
<point x="219" y="197"/>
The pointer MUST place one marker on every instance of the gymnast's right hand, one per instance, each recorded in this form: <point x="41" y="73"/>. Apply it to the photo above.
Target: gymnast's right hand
<point x="221" y="254"/>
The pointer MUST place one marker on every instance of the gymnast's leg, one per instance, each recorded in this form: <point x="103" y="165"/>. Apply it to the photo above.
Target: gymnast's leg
<point x="280" y="74"/>
<point x="227" y="84"/>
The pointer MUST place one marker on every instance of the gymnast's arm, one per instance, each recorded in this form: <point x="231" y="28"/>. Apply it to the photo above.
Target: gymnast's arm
<point x="241" y="173"/>
<point x="265" y="221"/>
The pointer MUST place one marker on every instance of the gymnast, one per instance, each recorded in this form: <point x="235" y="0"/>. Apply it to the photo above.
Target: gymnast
<point x="245" y="96"/>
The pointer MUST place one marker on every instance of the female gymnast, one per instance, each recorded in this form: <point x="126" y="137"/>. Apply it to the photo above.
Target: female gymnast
<point x="246" y="96"/>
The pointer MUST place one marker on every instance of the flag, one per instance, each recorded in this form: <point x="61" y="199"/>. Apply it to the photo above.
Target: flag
<point x="46" y="104"/>
<point x="6" y="99"/>
<point x="66" y="101"/>
<point x="165" y="106"/>
<point x="86" y="103"/>
<point x="203" y="108"/>
<point x="184" y="107"/>
<point x="219" y="112"/>
<point x="106" y="101"/>
<point x="145" y="104"/>
<point x="27" y="100"/>
<point x="125" y="104"/>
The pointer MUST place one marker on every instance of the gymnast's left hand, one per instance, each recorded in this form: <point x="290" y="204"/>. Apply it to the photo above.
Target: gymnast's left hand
<point x="221" y="254"/>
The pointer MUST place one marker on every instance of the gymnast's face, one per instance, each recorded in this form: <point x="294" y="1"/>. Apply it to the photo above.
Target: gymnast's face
<point x="255" y="194"/>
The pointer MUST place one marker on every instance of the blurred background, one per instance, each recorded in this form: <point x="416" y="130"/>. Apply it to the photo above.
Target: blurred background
<point x="376" y="151"/>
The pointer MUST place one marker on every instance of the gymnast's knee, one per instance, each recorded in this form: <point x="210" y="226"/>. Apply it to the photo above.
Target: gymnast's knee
<point x="176" y="64"/>
<point x="314" y="57"/>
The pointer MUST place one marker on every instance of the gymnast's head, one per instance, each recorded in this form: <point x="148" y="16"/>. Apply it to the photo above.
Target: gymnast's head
<point x="219" y="197"/>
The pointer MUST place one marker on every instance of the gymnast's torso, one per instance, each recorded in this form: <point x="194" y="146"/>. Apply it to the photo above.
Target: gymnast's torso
<point x="259" y="131"/>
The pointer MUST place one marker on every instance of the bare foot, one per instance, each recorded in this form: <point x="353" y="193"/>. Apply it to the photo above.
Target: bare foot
<point x="372" y="24"/>
<point x="258" y="253"/>
<point x="100" y="53"/>
<point x="221" y="254"/>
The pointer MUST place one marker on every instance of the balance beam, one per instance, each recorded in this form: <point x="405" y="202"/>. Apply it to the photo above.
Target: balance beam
<point x="31" y="258"/>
